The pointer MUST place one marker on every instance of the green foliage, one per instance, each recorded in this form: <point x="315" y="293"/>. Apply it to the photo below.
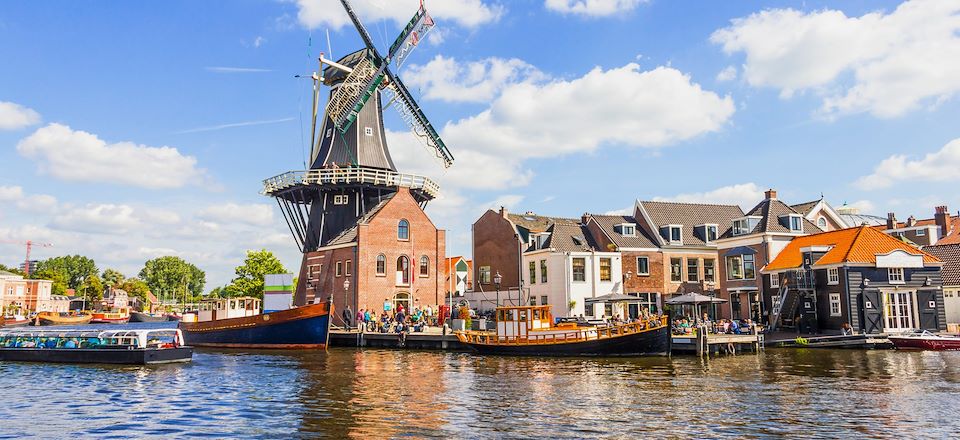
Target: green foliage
<point x="72" y="269"/>
<point x="135" y="287"/>
<point x="14" y="270"/>
<point x="112" y="278"/>
<point x="168" y="276"/>
<point x="249" y="280"/>
<point x="59" y="279"/>
<point x="92" y="288"/>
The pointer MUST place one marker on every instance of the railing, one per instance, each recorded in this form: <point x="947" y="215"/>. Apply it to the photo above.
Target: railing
<point x="580" y="334"/>
<point x="350" y="176"/>
<point x="803" y="279"/>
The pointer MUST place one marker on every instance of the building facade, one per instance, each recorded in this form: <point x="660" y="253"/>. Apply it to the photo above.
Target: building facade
<point x="856" y="276"/>
<point x="949" y="254"/>
<point x="19" y="295"/>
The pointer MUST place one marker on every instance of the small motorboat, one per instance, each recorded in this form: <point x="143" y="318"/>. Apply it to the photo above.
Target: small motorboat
<point x="64" y="318"/>
<point x="134" y="347"/>
<point x="173" y="317"/>
<point x="925" y="341"/>
<point x="147" y="317"/>
<point x="118" y="316"/>
<point x="14" y="321"/>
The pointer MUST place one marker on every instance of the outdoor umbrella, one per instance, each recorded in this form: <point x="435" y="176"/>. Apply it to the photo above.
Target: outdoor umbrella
<point x="696" y="299"/>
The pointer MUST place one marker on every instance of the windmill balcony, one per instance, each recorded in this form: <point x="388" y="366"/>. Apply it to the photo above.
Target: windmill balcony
<point x="350" y="176"/>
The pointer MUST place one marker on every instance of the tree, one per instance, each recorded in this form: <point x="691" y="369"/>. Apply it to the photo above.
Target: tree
<point x="135" y="287"/>
<point x="74" y="269"/>
<point x="112" y="278"/>
<point x="59" y="279"/>
<point x="169" y="275"/>
<point x="92" y="288"/>
<point x="249" y="280"/>
<point x="11" y="269"/>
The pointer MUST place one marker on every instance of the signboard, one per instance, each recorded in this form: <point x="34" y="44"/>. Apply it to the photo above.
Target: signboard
<point x="277" y="292"/>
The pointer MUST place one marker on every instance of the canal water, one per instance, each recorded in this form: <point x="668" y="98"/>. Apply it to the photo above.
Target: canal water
<point x="380" y="393"/>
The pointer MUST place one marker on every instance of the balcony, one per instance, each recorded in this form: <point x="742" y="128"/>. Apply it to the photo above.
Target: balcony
<point x="350" y="176"/>
<point x="802" y="279"/>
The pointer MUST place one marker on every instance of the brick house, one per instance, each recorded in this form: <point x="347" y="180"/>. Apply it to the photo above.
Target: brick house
<point x="29" y="295"/>
<point x="642" y="261"/>
<point x="949" y="254"/>
<point x="941" y="229"/>
<point x="394" y="255"/>
<point x="749" y="243"/>
<point x="858" y="276"/>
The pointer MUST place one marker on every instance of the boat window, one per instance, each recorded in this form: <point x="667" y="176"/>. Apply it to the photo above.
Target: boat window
<point x="523" y="315"/>
<point x="536" y="315"/>
<point x="233" y="304"/>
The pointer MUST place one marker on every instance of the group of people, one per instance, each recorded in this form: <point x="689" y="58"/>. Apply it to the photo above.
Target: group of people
<point x="46" y="342"/>
<point x="686" y="326"/>
<point x="401" y="321"/>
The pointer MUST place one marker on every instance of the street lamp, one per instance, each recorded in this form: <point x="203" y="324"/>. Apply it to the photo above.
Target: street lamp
<point x="346" y="288"/>
<point x="496" y="282"/>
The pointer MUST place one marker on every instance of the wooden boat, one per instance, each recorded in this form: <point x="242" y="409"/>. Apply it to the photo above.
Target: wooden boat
<point x="925" y="341"/>
<point x="118" y="316"/>
<point x="238" y="323"/>
<point x="136" y="316"/>
<point x="14" y="321"/>
<point x="138" y="347"/>
<point x="529" y="331"/>
<point x="64" y="318"/>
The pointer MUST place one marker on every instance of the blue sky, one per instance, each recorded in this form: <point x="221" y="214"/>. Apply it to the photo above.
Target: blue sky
<point x="129" y="130"/>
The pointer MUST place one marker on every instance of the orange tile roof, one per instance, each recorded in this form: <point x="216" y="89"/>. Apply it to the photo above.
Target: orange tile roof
<point x="852" y="245"/>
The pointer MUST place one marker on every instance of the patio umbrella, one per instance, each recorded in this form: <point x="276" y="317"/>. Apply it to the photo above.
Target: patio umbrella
<point x="695" y="299"/>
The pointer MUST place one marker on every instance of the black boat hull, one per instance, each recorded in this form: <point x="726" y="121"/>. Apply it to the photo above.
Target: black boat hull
<point x="97" y="356"/>
<point x="654" y="342"/>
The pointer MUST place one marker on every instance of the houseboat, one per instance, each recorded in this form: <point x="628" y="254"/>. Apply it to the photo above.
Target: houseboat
<point x="529" y="331"/>
<point x="135" y="347"/>
<point x="117" y="316"/>
<point x="239" y="323"/>
<point x="64" y="318"/>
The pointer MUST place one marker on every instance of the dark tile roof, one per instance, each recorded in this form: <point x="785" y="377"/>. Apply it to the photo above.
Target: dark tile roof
<point x="770" y="211"/>
<point x="566" y="237"/>
<point x="950" y="255"/>
<point x="350" y="235"/>
<point x="804" y="208"/>
<point x="691" y="215"/>
<point x="641" y="240"/>
<point x="538" y="223"/>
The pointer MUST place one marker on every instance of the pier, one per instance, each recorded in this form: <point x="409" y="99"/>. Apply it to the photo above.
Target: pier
<point x="432" y="338"/>
<point x="701" y="343"/>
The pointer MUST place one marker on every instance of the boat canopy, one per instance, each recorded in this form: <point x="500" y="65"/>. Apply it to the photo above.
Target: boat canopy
<point x="91" y="338"/>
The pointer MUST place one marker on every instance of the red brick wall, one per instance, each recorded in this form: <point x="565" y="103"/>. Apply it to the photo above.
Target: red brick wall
<point x="494" y="245"/>
<point x="641" y="283"/>
<point x="760" y="260"/>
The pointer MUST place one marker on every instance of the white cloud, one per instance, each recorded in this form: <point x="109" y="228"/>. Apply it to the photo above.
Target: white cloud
<point x="727" y="74"/>
<point x="884" y="64"/>
<point x="14" y="116"/>
<point x="252" y="214"/>
<point x="940" y="166"/>
<point x="593" y="8"/>
<point x="11" y="193"/>
<point x="746" y="195"/>
<point x="38" y="203"/>
<point x="623" y="106"/>
<point x="80" y="156"/>
<point x="864" y="206"/>
<point x="103" y="218"/>
<point x="446" y="79"/>
<point x="257" y="42"/>
<point x="329" y="13"/>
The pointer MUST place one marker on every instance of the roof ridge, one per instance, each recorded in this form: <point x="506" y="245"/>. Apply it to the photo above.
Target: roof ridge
<point x="689" y="203"/>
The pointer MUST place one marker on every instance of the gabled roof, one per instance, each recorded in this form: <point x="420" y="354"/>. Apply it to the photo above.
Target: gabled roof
<point x="565" y="237"/>
<point x="537" y="223"/>
<point x="640" y="240"/>
<point x="690" y="215"/>
<point x="804" y="208"/>
<point x="852" y="245"/>
<point x="950" y="255"/>
<point x="769" y="211"/>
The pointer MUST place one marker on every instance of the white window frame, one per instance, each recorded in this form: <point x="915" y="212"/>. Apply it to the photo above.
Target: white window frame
<point x="833" y="276"/>
<point x="895" y="275"/>
<point x="921" y="232"/>
<point x="628" y="230"/>
<point x="368" y="131"/>
<point x="647" y="273"/>
<point x="670" y="229"/>
<point x="799" y="220"/>
<point x="341" y="199"/>
<point x="835" y="305"/>
<point x="706" y="233"/>
<point x="741" y="226"/>
<point x="775" y="280"/>
<point x="822" y="222"/>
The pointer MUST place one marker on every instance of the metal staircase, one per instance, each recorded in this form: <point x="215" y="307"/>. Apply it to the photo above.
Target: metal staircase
<point x="787" y="306"/>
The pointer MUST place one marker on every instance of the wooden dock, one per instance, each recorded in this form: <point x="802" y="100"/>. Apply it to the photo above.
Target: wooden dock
<point x="431" y="339"/>
<point x="701" y="343"/>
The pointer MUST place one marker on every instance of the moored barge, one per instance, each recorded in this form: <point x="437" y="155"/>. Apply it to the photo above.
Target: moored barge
<point x="529" y="331"/>
<point x="134" y="347"/>
<point x="64" y="318"/>
<point x="238" y="323"/>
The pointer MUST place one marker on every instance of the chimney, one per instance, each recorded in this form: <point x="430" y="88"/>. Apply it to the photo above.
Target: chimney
<point x="891" y="221"/>
<point x="770" y="194"/>
<point x="942" y="218"/>
<point x="503" y="212"/>
<point x="584" y="218"/>
<point x="911" y="221"/>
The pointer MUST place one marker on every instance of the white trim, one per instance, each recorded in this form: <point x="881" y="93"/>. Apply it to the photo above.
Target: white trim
<point x="830" y="272"/>
<point x="670" y="240"/>
<point x="891" y="271"/>
<point x="838" y="302"/>
<point x="774" y="276"/>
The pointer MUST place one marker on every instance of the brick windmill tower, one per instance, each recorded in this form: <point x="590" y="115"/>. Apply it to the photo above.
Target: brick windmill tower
<point x="358" y="221"/>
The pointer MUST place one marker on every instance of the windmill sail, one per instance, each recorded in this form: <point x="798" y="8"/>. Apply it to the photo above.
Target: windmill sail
<point x="418" y="27"/>
<point x="411" y="114"/>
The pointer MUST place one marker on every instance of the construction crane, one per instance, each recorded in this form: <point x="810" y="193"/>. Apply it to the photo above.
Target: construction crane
<point x="29" y="244"/>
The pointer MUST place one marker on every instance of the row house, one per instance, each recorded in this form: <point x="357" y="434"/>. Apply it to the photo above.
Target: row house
<point x="20" y="295"/>
<point x="751" y="241"/>
<point x="941" y="229"/>
<point x="857" y="276"/>
<point x="949" y="254"/>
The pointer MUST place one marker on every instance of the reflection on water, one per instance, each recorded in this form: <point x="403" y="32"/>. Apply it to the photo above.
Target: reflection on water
<point x="377" y="393"/>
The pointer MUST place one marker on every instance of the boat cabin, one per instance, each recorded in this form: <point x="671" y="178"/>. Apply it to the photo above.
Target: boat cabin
<point x="225" y="308"/>
<point x="90" y="339"/>
<point x="520" y="321"/>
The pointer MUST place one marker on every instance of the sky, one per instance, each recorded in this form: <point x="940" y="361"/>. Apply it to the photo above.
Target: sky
<point x="130" y="130"/>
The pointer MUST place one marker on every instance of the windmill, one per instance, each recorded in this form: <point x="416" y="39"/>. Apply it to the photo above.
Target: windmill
<point x="351" y="172"/>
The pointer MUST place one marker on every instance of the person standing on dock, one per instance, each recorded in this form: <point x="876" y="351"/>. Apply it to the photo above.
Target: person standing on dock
<point x="347" y="316"/>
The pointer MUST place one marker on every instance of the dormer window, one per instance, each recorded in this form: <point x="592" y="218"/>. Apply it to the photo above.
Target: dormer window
<point x="793" y="222"/>
<point x="707" y="232"/>
<point x="741" y="227"/>
<point x="626" y="229"/>
<point x="675" y="234"/>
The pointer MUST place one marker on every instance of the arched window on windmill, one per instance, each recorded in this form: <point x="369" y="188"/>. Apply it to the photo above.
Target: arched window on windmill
<point x="403" y="230"/>
<point x="403" y="271"/>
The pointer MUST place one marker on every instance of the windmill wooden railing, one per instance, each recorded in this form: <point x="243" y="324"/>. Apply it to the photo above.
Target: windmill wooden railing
<point x="350" y="176"/>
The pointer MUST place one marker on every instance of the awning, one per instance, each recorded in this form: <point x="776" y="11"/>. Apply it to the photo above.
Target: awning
<point x="740" y="250"/>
